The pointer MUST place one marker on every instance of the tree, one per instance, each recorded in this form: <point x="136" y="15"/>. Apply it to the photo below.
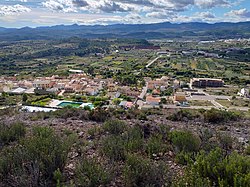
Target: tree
<point x="24" y="98"/>
<point x="90" y="70"/>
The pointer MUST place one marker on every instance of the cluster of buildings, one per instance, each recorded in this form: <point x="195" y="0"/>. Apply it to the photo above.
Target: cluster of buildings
<point x="154" y="93"/>
<point x="155" y="90"/>
<point x="75" y="83"/>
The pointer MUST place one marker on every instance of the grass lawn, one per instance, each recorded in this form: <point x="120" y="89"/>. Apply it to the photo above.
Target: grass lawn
<point x="225" y="103"/>
<point x="235" y="102"/>
<point x="228" y="91"/>
<point x="42" y="102"/>
<point x="200" y="103"/>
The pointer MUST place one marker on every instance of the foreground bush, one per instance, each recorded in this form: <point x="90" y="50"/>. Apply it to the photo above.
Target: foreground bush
<point x="156" y="145"/>
<point x="89" y="173"/>
<point x="218" y="116"/>
<point x="34" y="161"/>
<point x="184" y="114"/>
<point x="113" y="147"/>
<point x="11" y="133"/>
<point x="134" y="140"/>
<point x="216" y="169"/>
<point x="143" y="172"/>
<point x="114" y="126"/>
<point x="185" y="141"/>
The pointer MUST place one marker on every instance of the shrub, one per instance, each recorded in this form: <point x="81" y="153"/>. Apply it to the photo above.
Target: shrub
<point x="99" y="115"/>
<point x="218" y="116"/>
<point x="142" y="116"/>
<point x="9" y="111"/>
<point x="113" y="147"/>
<point x="185" y="141"/>
<point x="134" y="140"/>
<point x="34" y="161"/>
<point x="156" y="145"/>
<point x="67" y="112"/>
<point x="114" y="126"/>
<point x="216" y="169"/>
<point x="96" y="130"/>
<point x="143" y="172"/>
<point x="184" y="114"/>
<point x="89" y="173"/>
<point x="225" y="141"/>
<point x="58" y="177"/>
<point x="247" y="151"/>
<point x="11" y="133"/>
<point x="183" y="158"/>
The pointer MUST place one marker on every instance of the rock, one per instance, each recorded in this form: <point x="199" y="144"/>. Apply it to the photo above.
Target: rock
<point x="70" y="167"/>
<point x="170" y="153"/>
<point x="80" y="134"/>
<point x="241" y="140"/>
<point x="74" y="155"/>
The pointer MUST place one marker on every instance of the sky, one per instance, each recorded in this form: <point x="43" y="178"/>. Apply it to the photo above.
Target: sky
<point x="34" y="13"/>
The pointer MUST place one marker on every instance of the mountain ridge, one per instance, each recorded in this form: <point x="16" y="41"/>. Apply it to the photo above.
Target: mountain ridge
<point x="146" y="31"/>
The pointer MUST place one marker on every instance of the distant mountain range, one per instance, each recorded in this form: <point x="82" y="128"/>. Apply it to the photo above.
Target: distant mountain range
<point x="165" y="30"/>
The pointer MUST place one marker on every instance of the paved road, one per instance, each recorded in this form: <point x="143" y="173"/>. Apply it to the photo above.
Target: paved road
<point x="144" y="91"/>
<point x="216" y="104"/>
<point x="205" y="107"/>
<point x="189" y="107"/>
<point x="153" y="61"/>
<point x="141" y="96"/>
<point x="61" y="93"/>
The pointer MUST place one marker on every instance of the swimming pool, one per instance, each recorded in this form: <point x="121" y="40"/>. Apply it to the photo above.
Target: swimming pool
<point x="68" y="103"/>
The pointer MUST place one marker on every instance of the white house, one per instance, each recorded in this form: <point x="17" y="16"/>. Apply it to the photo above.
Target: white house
<point x="244" y="92"/>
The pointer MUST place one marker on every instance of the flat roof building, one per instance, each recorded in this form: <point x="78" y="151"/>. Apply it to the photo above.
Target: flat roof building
<point x="206" y="82"/>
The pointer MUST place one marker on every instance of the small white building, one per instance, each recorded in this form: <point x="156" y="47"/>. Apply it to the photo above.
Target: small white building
<point x="244" y="92"/>
<point x="77" y="71"/>
<point x="18" y="90"/>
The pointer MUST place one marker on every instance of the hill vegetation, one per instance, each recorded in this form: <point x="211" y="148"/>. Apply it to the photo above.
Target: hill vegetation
<point x="39" y="150"/>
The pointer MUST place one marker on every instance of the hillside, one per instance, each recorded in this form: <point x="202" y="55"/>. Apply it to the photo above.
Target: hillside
<point x="154" y="148"/>
<point x="147" y="31"/>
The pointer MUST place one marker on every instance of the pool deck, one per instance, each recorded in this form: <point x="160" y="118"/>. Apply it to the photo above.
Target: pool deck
<point x="55" y="103"/>
<point x="87" y="104"/>
<point x="37" y="109"/>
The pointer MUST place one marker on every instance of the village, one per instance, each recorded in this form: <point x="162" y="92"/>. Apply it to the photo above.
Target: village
<point x="80" y="90"/>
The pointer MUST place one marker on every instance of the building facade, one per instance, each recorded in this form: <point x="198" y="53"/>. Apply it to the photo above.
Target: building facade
<point x="206" y="82"/>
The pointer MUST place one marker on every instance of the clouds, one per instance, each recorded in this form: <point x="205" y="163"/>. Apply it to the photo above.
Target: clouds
<point x="162" y="15"/>
<point x="242" y="13"/>
<point x="127" y="11"/>
<point x="12" y="10"/>
<point x="205" y="15"/>
<point x="60" y="5"/>
<point x="208" y="4"/>
<point x="111" y="6"/>
<point x="80" y="3"/>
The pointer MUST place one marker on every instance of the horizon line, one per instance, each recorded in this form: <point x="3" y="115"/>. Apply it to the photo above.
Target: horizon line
<point x="111" y="24"/>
